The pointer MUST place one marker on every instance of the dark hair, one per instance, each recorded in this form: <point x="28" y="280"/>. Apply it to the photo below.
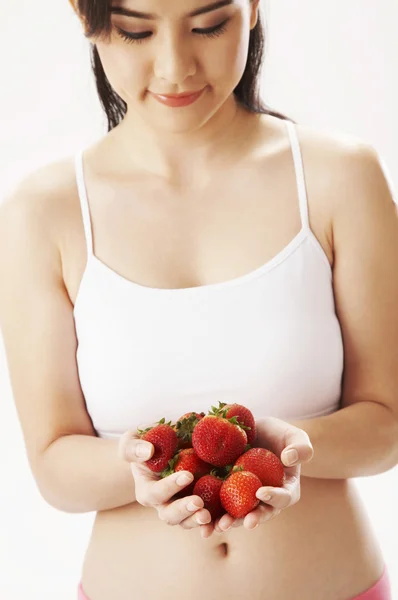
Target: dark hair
<point x="96" y="17"/>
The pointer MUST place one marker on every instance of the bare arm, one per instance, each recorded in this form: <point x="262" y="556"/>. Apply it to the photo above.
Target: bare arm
<point x="361" y="439"/>
<point x="81" y="473"/>
<point x="74" y="469"/>
<point x="357" y="441"/>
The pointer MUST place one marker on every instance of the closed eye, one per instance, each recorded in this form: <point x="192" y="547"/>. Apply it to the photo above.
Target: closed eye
<point x="215" y="31"/>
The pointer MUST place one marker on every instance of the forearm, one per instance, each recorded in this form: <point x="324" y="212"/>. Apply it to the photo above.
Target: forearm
<point x="81" y="473"/>
<point x="357" y="441"/>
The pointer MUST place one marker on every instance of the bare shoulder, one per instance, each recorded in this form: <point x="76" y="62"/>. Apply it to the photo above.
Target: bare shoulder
<point x="338" y="160"/>
<point x="344" y="173"/>
<point x="333" y="159"/>
<point x="41" y="191"/>
<point x="331" y="143"/>
<point x="40" y="199"/>
<point x="351" y="172"/>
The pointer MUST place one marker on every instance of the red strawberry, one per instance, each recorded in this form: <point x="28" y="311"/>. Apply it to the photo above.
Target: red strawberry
<point x="208" y="488"/>
<point x="263" y="463"/>
<point x="218" y="441"/>
<point x="187" y="460"/>
<point x="165" y="441"/>
<point x="184" y="428"/>
<point x="244" y="416"/>
<point x="238" y="493"/>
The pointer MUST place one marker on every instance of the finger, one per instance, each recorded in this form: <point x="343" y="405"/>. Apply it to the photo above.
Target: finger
<point x="280" y="436"/>
<point x="261" y="514"/>
<point x="188" y="512"/>
<point x="238" y="523"/>
<point x="224" y="523"/>
<point x="144" y="478"/>
<point x="280" y="497"/>
<point x="298" y="448"/>
<point x="207" y="531"/>
<point x="132" y="449"/>
<point x="202" y="518"/>
<point x="292" y="483"/>
<point x="160" y="491"/>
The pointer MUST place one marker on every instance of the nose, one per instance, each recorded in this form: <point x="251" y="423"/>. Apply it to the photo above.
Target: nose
<point x="175" y="59"/>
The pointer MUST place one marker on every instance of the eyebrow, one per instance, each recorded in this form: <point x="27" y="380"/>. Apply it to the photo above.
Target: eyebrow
<point x="126" y="12"/>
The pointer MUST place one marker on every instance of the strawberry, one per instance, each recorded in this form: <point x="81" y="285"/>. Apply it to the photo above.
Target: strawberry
<point x="263" y="463"/>
<point x="208" y="488"/>
<point x="218" y="441"/>
<point x="238" y="493"/>
<point x="165" y="441"/>
<point x="184" y="428"/>
<point x="187" y="460"/>
<point x="244" y="416"/>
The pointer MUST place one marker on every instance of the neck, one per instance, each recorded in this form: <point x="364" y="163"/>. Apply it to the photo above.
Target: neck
<point x="181" y="157"/>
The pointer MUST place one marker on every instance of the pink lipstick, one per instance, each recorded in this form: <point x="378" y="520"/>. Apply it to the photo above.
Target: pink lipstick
<point x="177" y="100"/>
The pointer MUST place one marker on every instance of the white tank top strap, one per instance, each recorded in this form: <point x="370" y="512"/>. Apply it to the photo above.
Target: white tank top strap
<point x="298" y="165"/>
<point x="81" y="186"/>
<point x="299" y="168"/>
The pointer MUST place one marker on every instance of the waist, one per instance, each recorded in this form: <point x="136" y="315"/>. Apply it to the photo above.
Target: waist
<point x="322" y="547"/>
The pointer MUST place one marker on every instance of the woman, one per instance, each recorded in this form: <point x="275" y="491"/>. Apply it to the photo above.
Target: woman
<point x="140" y="259"/>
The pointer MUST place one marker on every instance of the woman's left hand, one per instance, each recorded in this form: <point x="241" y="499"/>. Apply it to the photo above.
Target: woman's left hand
<point x="279" y="437"/>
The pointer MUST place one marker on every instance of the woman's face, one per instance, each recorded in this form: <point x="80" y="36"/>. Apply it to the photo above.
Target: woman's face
<point x="176" y="51"/>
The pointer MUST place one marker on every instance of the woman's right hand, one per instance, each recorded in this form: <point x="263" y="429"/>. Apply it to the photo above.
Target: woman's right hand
<point x="154" y="492"/>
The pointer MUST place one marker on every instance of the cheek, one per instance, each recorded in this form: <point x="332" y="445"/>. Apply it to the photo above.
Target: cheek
<point x="123" y="67"/>
<point x="112" y="63"/>
<point x="231" y="57"/>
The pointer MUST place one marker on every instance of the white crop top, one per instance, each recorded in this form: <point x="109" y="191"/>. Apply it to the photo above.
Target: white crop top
<point x="269" y="339"/>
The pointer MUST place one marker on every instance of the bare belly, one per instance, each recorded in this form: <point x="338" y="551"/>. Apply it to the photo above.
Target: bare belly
<point x="322" y="548"/>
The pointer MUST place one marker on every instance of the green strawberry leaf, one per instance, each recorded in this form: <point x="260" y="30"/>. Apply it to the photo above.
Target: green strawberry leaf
<point x="171" y="468"/>
<point x="143" y="431"/>
<point x="237" y="468"/>
<point x="185" y="427"/>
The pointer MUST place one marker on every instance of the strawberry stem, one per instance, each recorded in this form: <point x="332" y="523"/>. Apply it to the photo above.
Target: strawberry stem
<point x="222" y="413"/>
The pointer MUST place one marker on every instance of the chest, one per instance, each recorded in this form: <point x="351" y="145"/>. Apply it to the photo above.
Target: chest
<point x="269" y="339"/>
<point x="220" y="292"/>
<point x="168" y="238"/>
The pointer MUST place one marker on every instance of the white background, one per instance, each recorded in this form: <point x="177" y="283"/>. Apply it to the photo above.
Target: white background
<point x="329" y="64"/>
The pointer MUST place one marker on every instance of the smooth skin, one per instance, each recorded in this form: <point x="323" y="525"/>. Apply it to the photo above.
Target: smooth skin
<point x="352" y="215"/>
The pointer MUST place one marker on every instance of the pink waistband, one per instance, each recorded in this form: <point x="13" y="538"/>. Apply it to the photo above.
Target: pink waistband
<point x="380" y="591"/>
<point x="80" y="594"/>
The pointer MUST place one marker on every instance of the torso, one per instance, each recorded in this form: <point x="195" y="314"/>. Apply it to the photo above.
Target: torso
<point x="324" y="546"/>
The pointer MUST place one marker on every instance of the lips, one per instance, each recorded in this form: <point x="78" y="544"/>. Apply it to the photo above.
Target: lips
<point x="178" y="100"/>
<point x="182" y="95"/>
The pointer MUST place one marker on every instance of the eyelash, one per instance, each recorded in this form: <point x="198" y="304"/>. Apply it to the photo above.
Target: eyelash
<point x="138" y="38"/>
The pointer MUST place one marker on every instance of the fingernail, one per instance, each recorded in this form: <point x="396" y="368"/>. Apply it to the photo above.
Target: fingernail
<point x="201" y="521"/>
<point x="264" y="495"/>
<point x="291" y="457"/>
<point x="192" y="506"/>
<point x="142" y="450"/>
<point x="184" y="479"/>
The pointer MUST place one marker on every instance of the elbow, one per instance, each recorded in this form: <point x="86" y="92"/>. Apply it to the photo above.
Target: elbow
<point x="66" y="507"/>
<point x="60" y="502"/>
